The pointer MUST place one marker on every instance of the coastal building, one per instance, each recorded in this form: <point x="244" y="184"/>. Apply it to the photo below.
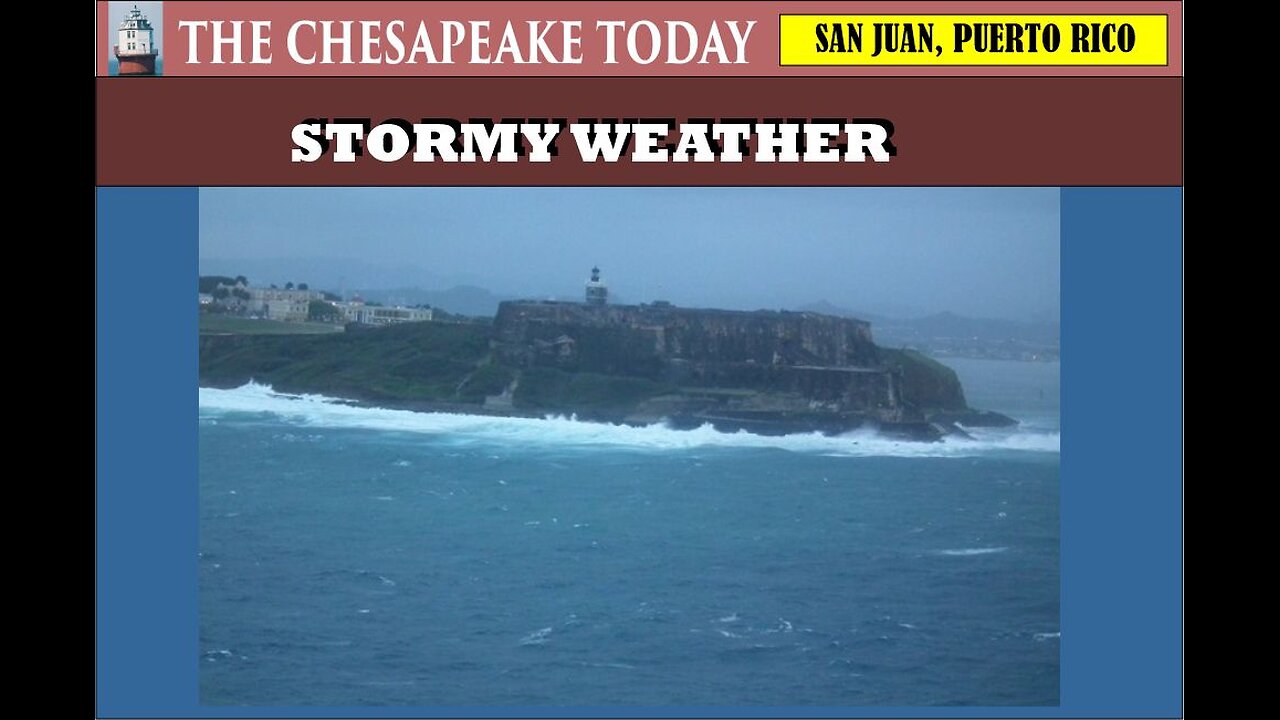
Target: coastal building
<point x="286" y="310"/>
<point x="358" y="312"/>
<point x="597" y="291"/>
<point x="294" y="304"/>
<point x="288" y="305"/>
<point x="135" y="47"/>
<point x="262" y="296"/>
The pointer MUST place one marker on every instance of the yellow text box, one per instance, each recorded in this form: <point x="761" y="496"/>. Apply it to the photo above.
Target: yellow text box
<point x="887" y="40"/>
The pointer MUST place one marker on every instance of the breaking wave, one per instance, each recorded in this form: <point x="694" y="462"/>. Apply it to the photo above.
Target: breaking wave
<point x="967" y="552"/>
<point x="318" y="411"/>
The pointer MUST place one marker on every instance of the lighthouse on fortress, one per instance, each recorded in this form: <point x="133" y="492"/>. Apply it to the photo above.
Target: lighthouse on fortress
<point x="597" y="291"/>
<point x="136" y="49"/>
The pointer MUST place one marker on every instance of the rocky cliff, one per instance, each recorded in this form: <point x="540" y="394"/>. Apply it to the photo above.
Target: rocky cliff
<point x="732" y="368"/>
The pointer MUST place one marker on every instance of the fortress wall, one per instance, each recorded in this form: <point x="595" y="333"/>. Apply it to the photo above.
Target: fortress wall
<point x="862" y="390"/>
<point x="841" y="389"/>
<point x="696" y="335"/>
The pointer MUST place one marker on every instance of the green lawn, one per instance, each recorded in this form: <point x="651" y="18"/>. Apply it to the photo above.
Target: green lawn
<point x="230" y="324"/>
<point x="410" y="361"/>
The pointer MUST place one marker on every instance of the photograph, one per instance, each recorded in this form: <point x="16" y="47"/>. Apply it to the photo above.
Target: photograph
<point x="627" y="447"/>
<point x="136" y="32"/>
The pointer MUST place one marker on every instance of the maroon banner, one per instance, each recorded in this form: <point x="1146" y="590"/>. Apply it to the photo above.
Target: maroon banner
<point x="220" y="38"/>
<point x="946" y="131"/>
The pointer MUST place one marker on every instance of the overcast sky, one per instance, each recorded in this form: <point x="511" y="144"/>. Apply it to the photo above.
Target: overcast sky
<point x="985" y="252"/>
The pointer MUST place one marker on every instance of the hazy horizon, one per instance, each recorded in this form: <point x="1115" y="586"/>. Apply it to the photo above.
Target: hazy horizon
<point x="979" y="252"/>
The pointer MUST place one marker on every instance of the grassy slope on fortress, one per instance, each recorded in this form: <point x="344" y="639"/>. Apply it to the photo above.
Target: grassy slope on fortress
<point x="418" y="361"/>
<point x="927" y="383"/>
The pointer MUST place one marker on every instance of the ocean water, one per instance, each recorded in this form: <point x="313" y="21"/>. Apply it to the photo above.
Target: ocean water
<point x="358" y="557"/>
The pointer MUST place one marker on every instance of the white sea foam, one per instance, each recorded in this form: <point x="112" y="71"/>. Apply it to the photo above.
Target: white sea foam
<point x="964" y="552"/>
<point x="610" y="665"/>
<point x="318" y="411"/>
<point x="537" y="637"/>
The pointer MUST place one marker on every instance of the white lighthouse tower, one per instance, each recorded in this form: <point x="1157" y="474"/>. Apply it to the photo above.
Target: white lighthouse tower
<point x="597" y="291"/>
<point x="136" y="48"/>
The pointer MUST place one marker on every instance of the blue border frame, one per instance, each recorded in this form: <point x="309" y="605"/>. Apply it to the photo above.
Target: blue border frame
<point x="1122" y="451"/>
<point x="1121" y="469"/>
<point x="147" y="406"/>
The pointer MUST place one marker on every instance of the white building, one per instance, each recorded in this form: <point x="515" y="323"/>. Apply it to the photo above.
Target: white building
<point x="286" y="305"/>
<point x="358" y="312"/>
<point x="290" y="305"/>
<point x="294" y="305"/>
<point x="286" y="310"/>
<point x="137" y="36"/>
<point x="258" y="295"/>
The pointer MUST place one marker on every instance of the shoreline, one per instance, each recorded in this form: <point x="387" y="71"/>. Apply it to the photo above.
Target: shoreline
<point x="766" y="424"/>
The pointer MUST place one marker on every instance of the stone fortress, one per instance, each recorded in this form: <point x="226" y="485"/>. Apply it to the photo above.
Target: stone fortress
<point x="730" y="364"/>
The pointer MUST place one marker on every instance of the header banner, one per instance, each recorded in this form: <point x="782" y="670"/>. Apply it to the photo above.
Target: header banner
<point x="657" y="39"/>
<point x="642" y="131"/>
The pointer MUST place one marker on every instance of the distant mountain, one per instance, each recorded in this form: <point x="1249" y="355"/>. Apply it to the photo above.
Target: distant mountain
<point x="947" y="334"/>
<point x="823" y="307"/>
<point x="459" y="300"/>
<point x="341" y="275"/>
<point x="950" y="325"/>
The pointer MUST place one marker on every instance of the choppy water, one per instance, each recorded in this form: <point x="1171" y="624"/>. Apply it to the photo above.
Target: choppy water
<point x="352" y="556"/>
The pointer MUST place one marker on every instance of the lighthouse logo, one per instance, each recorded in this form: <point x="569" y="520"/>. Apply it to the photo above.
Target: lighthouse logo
<point x="135" y="29"/>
